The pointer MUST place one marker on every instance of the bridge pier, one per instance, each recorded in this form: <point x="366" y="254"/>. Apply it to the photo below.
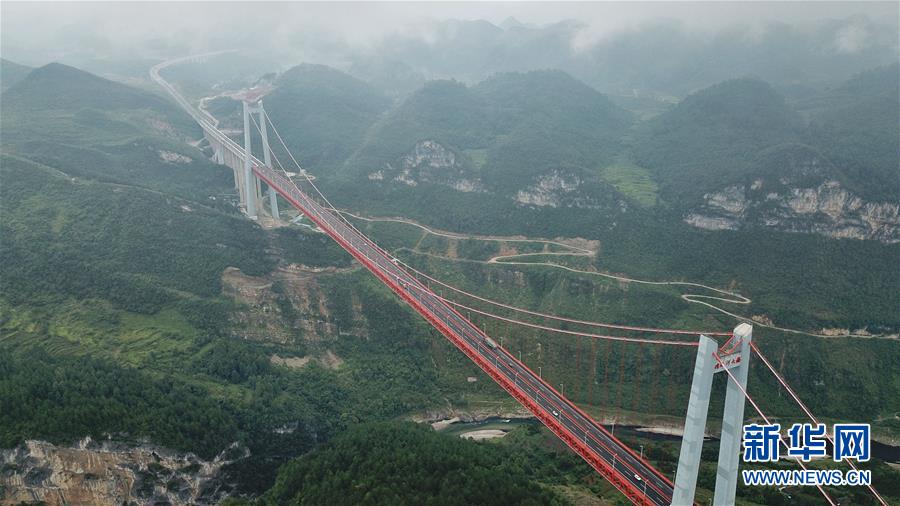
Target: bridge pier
<point x="217" y="155"/>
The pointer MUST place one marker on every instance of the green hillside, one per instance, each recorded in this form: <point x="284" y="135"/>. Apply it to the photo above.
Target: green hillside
<point x="88" y="239"/>
<point x="711" y="137"/>
<point x="11" y="73"/>
<point x="856" y="126"/>
<point x="727" y="133"/>
<point x="95" y="109"/>
<point x="61" y="88"/>
<point x="112" y="313"/>
<point x="323" y="113"/>
<point x="94" y="128"/>
<point x="506" y="130"/>
<point x="407" y="464"/>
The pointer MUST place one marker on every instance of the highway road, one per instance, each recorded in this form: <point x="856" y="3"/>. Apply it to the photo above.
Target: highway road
<point x="653" y="487"/>
<point x="657" y="489"/>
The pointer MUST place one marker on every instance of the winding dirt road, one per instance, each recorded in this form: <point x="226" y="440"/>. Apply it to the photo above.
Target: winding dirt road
<point x="722" y="296"/>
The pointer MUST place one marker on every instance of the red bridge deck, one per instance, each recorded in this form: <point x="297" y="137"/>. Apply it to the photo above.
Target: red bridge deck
<point x="629" y="473"/>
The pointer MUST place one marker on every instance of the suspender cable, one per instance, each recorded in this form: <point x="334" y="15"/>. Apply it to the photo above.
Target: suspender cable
<point x="636" y="400"/>
<point x="593" y="377"/>
<point x="764" y="417"/>
<point x="606" y="389"/>
<point x="806" y="410"/>
<point x="655" y="371"/>
<point x="571" y="320"/>
<point x="427" y="277"/>
<point x="619" y="403"/>
<point x="576" y="383"/>
<point x="562" y="331"/>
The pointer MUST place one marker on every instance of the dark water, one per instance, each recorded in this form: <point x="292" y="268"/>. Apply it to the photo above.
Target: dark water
<point x="886" y="452"/>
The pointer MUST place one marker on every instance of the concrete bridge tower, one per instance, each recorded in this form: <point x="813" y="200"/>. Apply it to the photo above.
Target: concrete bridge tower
<point x="735" y="357"/>
<point x="251" y="189"/>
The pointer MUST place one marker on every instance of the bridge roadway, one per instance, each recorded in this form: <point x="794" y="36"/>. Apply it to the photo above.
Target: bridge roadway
<point x="644" y="484"/>
<point x="624" y="469"/>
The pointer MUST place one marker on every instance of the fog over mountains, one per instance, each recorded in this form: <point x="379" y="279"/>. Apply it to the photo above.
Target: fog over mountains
<point x="639" y="50"/>
<point x="682" y="166"/>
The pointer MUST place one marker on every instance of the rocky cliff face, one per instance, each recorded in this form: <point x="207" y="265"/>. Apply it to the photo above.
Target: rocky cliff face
<point x="549" y="190"/>
<point x="262" y="317"/>
<point x="826" y="208"/>
<point x="796" y="189"/>
<point x="430" y="161"/>
<point x="559" y="188"/>
<point x="111" y="474"/>
<point x="429" y="154"/>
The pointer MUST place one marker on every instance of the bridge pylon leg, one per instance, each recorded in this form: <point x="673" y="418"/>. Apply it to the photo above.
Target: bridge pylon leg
<point x="732" y="422"/>
<point x="695" y="424"/>
<point x="249" y="187"/>
<point x="267" y="157"/>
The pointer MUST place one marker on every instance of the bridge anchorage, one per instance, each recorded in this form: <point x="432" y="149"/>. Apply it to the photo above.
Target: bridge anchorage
<point x="625" y="469"/>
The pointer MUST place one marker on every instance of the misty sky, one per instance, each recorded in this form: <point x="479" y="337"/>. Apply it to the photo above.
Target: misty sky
<point x="41" y="32"/>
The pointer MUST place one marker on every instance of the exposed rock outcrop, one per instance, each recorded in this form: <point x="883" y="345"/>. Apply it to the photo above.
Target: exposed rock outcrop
<point x="429" y="154"/>
<point x="549" y="189"/>
<point x="827" y="209"/>
<point x="295" y="310"/>
<point x="559" y="188"/>
<point x="172" y="157"/>
<point x="111" y="474"/>
<point x="431" y="162"/>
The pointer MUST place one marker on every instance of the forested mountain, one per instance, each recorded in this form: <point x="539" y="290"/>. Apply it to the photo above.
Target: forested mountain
<point x="64" y="117"/>
<point x="137" y="305"/>
<point x="712" y="136"/>
<point x="543" y="139"/>
<point x="541" y="154"/>
<point x="11" y="73"/>
<point x="406" y="465"/>
<point x="324" y="113"/>
<point x="855" y="126"/>
<point x="116" y="238"/>
<point x="530" y="136"/>
<point x="60" y="87"/>
<point x="737" y="154"/>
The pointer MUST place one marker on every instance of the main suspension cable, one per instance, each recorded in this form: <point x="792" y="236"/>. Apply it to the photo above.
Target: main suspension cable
<point x="458" y="290"/>
<point x="564" y="319"/>
<point x="781" y="380"/>
<point x="765" y="361"/>
<point x="560" y="331"/>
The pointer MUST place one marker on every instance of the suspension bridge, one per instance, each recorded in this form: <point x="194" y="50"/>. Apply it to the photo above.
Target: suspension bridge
<point x="624" y="468"/>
